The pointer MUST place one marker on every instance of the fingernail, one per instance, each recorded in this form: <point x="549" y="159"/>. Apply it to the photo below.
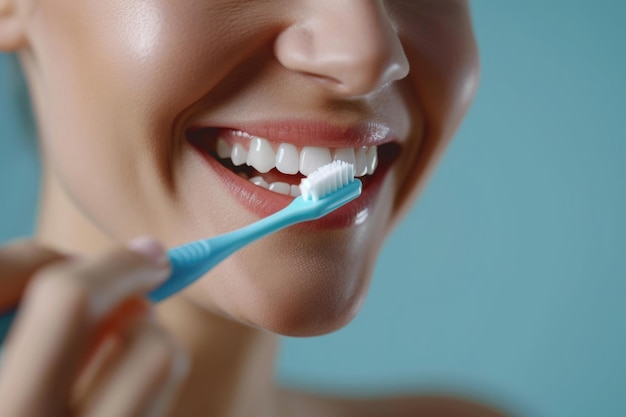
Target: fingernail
<point x="151" y="249"/>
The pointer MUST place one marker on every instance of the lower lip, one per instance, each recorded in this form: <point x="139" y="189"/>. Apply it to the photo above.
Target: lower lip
<point x="263" y="202"/>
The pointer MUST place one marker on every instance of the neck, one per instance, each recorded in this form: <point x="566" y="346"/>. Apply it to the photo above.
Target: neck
<point x="232" y="365"/>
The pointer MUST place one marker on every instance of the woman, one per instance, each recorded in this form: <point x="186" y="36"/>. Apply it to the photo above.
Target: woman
<point x="147" y="111"/>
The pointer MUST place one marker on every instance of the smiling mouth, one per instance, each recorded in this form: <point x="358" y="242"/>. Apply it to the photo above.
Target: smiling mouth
<point x="280" y="166"/>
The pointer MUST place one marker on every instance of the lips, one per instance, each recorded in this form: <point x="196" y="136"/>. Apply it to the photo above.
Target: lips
<point x="264" y="171"/>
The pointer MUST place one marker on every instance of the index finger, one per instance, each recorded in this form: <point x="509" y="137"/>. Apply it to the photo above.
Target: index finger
<point x="19" y="261"/>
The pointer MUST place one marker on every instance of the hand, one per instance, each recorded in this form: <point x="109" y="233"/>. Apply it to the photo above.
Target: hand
<point x="85" y="342"/>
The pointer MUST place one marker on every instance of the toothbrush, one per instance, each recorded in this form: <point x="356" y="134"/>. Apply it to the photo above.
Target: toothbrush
<point x="326" y="189"/>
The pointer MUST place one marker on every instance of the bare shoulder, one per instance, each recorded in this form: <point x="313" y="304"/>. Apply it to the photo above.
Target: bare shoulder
<point x="301" y="404"/>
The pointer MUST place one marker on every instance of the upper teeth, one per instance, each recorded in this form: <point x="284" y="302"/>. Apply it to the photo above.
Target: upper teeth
<point x="289" y="159"/>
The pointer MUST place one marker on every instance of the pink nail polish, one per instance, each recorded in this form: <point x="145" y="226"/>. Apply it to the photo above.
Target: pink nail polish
<point x="150" y="248"/>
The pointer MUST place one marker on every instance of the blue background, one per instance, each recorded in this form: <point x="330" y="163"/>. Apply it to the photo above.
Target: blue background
<point x="507" y="281"/>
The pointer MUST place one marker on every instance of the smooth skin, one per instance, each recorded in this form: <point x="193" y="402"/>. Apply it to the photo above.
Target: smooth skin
<point x="115" y="85"/>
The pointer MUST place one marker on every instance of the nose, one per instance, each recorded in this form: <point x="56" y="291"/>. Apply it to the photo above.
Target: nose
<point x="350" y="45"/>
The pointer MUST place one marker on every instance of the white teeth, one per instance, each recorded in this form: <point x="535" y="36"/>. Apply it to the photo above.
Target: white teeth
<point x="223" y="148"/>
<point x="287" y="159"/>
<point x="346" y="155"/>
<point x="372" y="159"/>
<point x="239" y="155"/>
<point x="277" y="187"/>
<point x="313" y="157"/>
<point x="261" y="155"/>
<point x="280" y="187"/>
<point x="259" y="181"/>
<point x="361" y="162"/>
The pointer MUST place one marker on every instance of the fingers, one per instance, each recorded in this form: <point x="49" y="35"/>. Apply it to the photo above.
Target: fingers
<point x="107" y="334"/>
<point x="18" y="262"/>
<point x="141" y="378"/>
<point x="59" y="315"/>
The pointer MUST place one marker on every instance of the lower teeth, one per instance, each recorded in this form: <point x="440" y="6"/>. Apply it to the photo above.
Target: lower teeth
<point x="277" y="187"/>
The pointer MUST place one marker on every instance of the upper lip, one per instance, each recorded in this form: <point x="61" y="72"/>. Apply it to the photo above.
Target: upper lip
<point x="313" y="133"/>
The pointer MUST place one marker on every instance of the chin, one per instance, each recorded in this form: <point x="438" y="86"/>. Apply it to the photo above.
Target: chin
<point x="292" y="285"/>
<point x="308" y="310"/>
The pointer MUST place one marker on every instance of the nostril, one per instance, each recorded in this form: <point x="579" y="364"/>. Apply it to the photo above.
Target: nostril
<point x="364" y="73"/>
<point x="353" y="55"/>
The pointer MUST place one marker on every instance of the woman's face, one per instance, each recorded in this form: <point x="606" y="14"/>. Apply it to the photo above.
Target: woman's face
<point x="146" y="108"/>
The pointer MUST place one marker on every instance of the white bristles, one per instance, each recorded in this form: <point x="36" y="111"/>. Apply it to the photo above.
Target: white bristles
<point x="327" y="179"/>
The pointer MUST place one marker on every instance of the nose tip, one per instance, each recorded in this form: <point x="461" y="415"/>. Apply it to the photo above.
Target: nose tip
<point x="352" y="48"/>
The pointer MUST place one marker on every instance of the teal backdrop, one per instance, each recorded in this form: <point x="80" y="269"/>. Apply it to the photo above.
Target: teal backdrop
<point x="507" y="281"/>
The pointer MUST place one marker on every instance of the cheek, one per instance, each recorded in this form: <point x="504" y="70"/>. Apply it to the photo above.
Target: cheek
<point x="111" y="79"/>
<point x="440" y="44"/>
<point x="123" y="65"/>
<point x="116" y="78"/>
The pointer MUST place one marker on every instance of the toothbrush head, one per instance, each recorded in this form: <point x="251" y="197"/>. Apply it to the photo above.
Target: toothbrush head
<point x="326" y="180"/>
<point x="328" y="188"/>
